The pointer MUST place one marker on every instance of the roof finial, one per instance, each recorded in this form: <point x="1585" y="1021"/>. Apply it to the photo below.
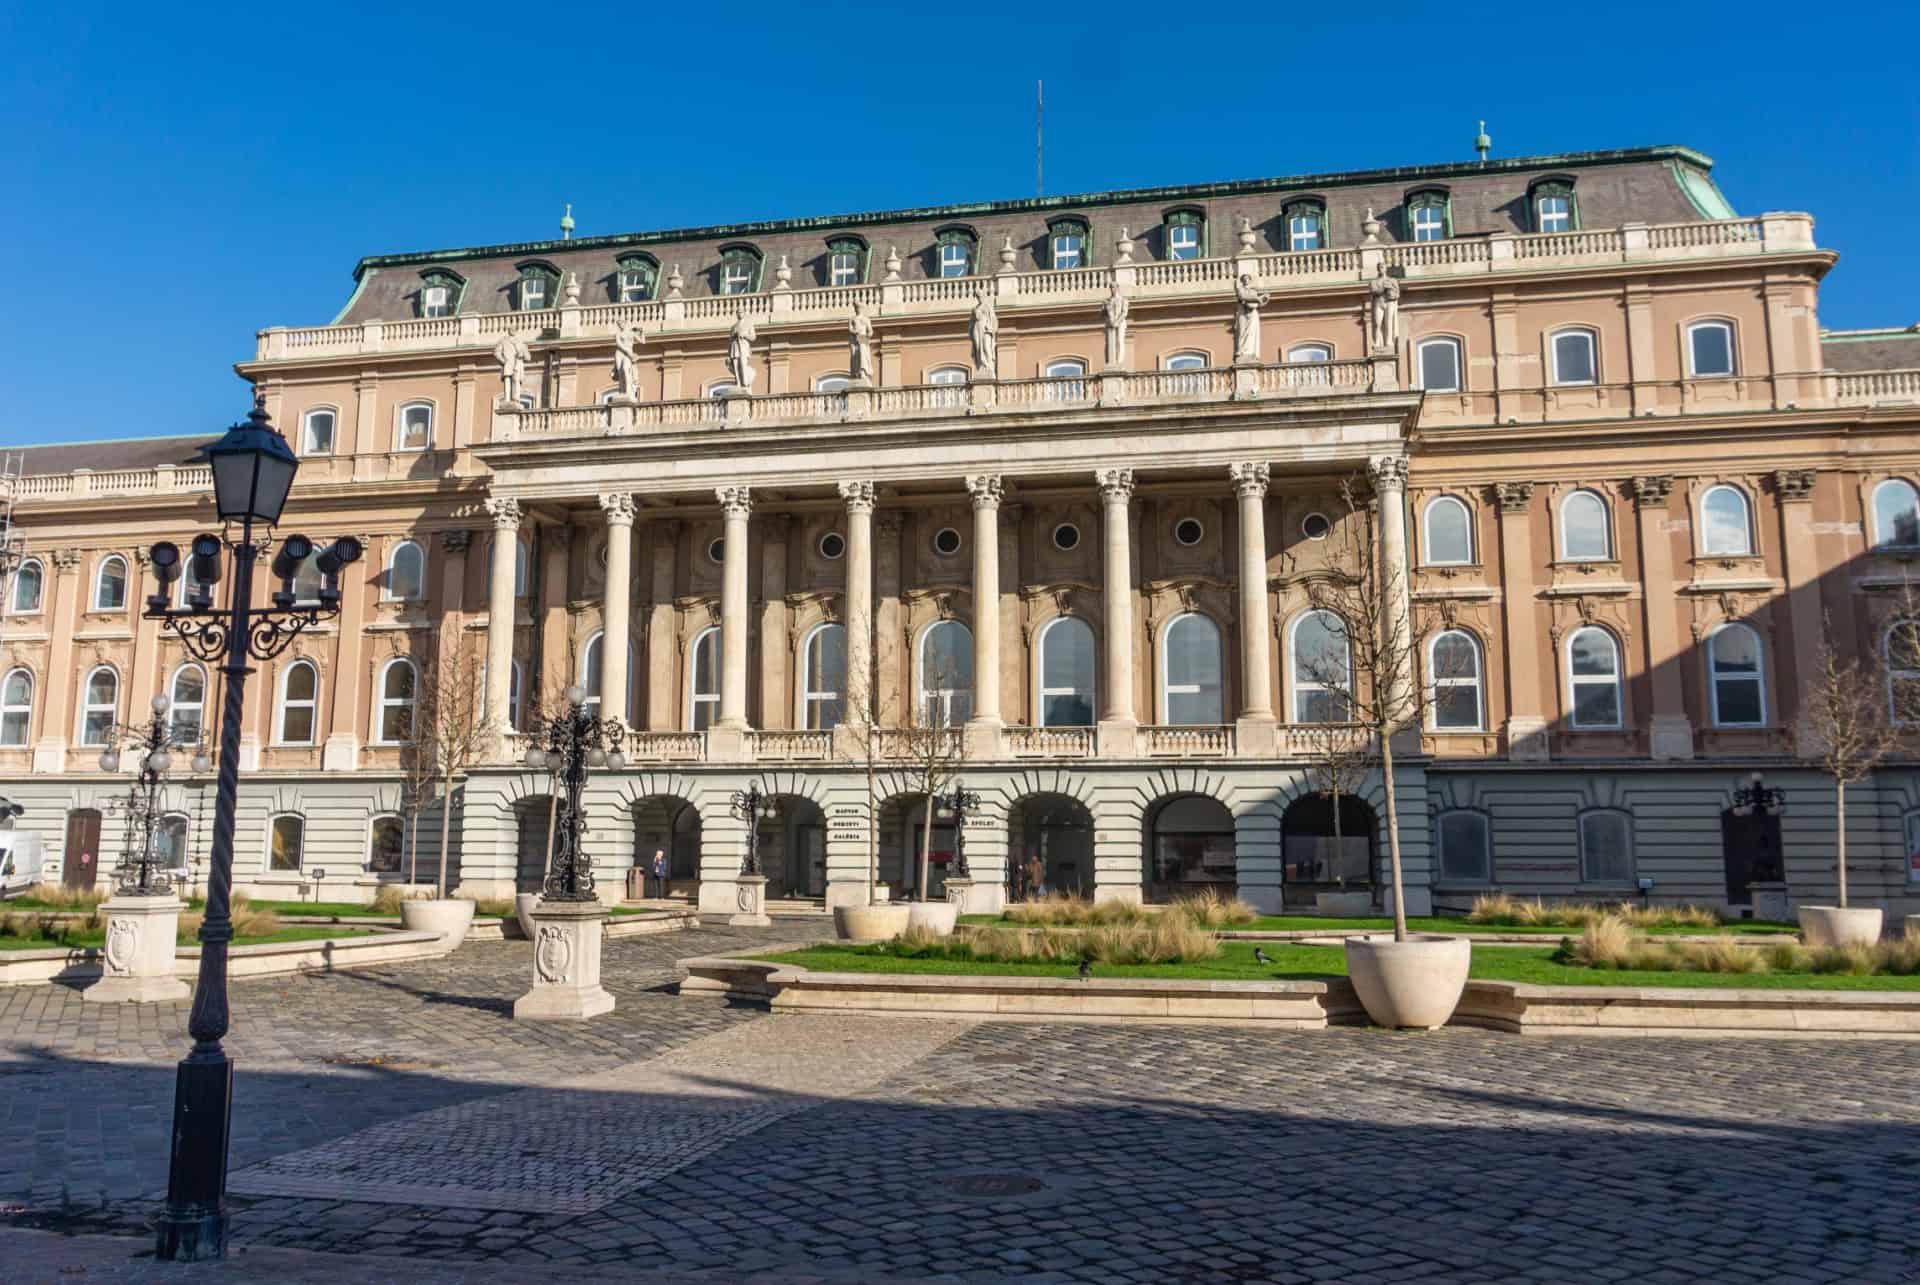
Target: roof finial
<point x="566" y="223"/>
<point x="1481" y="143"/>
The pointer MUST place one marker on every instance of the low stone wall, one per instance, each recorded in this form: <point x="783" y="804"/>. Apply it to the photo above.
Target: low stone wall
<point x="319" y="955"/>
<point x="507" y="928"/>
<point x="1697" y="1011"/>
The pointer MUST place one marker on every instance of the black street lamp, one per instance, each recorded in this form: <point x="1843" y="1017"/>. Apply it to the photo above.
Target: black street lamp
<point x="137" y="874"/>
<point x="575" y="741"/>
<point x="960" y="802"/>
<point x="752" y="806"/>
<point x="1757" y="800"/>
<point x="253" y="469"/>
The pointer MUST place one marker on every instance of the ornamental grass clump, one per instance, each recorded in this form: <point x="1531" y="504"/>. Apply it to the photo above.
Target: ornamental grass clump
<point x="1164" y="940"/>
<point x="59" y="897"/>
<point x="1062" y="910"/>
<point x="1208" y="909"/>
<point x="1609" y="942"/>
<point x="1499" y="910"/>
<point x="28" y="925"/>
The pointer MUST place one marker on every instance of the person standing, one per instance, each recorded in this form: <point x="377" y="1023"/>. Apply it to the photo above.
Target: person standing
<point x="660" y="873"/>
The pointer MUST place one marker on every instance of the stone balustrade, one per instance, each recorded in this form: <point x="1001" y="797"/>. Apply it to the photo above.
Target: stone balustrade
<point x="904" y="745"/>
<point x="1498" y="252"/>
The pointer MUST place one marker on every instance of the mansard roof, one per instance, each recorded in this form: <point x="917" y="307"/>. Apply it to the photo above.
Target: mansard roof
<point x="126" y="453"/>
<point x="1871" y="349"/>
<point x="1665" y="184"/>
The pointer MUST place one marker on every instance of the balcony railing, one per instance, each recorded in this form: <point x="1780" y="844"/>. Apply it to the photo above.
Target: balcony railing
<point x="1188" y="742"/>
<point x="1500" y="252"/>
<point x="1878" y="388"/>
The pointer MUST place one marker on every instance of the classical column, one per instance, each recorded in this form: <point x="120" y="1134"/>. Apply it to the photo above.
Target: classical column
<point x="62" y="605"/>
<point x="616" y="616"/>
<point x="1256" y="676"/>
<point x="1116" y="687"/>
<point x="860" y="696"/>
<point x="505" y="511"/>
<point x="1793" y="488"/>
<point x="663" y="687"/>
<point x="736" y="504"/>
<point x="985" y="490"/>
<point x="1526" y="725"/>
<point x="1389" y="473"/>
<point x="1669" y="730"/>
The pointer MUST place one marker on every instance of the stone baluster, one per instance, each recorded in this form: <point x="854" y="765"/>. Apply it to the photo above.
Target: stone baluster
<point x="616" y="621"/>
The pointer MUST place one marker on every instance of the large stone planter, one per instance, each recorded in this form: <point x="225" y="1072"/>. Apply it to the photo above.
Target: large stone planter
<point x="936" y="917"/>
<point x="566" y="963"/>
<point x="1344" y="904"/>
<point x="449" y="917"/>
<point x="523" y="904"/>
<point x="870" y="923"/>
<point x="1415" y="983"/>
<point x="1840" y="926"/>
<point x="139" y="954"/>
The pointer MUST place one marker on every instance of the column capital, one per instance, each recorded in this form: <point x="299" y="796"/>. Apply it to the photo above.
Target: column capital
<point x="985" y="489"/>
<point x="1650" y="491"/>
<point x="65" y="559"/>
<point x="1116" y="484"/>
<point x="1389" y="472"/>
<point x="456" y="543"/>
<point x="1794" y="483"/>
<point x="1513" y="497"/>
<point x="735" y="501"/>
<point x="618" y="506"/>
<point x="1249" y="478"/>
<point x="505" y="511"/>
<point x="858" y="495"/>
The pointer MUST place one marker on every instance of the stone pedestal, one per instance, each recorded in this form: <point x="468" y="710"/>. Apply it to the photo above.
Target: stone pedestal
<point x="1770" y="902"/>
<point x="566" y="962"/>
<point x="750" y="903"/>
<point x="959" y="891"/>
<point x="139" y="954"/>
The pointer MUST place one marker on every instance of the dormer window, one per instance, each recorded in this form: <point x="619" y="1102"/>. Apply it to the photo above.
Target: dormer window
<point x="846" y="261"/>
<point x="1186" y="234"/>
<point x="1551" y="202"/>
<point x="440" y="293"/>
<point x="1428" y="218"/>
<point x="634" y="279"/>
<point x="739" y="269"/>
<point x="538" y="287"/>
<point x="956" y="248"/>
<point x="1306" y="226"/>
<point x="1067" y="244"/>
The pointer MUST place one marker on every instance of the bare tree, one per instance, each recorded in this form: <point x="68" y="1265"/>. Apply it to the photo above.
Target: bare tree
<point x="1338" y="759"/>
<point x="448" y="734"/>
<point x="1849" y="713"/>
<point x="860" y="737"/>
<point x="933" y="747"/>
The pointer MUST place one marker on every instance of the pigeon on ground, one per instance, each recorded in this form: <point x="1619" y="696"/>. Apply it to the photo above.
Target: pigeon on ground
<point x="1261" y="956"/>
<point x="1086" y="968"/>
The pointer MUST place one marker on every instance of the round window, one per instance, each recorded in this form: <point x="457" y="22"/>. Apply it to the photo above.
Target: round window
<point x="832" y="545"/>
<point x="946" y="542"/>
<point x="1315" y="526"/>
<point x="1188" y="531"/>
<point x="717" y="551"/>
<point x="1066" y="536"/>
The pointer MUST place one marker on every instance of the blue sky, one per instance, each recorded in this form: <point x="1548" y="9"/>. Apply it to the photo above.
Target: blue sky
<point x="177" y="176"/>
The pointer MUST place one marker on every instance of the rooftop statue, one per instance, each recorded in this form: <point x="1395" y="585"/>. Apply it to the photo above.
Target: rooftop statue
<point x="1246" y="319"/>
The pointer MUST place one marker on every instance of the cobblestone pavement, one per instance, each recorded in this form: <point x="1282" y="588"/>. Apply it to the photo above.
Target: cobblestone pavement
<point x="947" y="1151"/>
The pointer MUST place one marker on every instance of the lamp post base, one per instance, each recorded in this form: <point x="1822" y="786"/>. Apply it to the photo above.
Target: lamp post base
<point x="139" y="954"/>
<point x="750" y="903"/>
<point x="193" y="1226"/>
<point x="566" y="962"/>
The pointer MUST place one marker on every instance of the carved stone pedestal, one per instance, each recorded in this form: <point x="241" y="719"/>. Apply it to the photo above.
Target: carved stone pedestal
<point x="750" y="902"/>
<point x="139" y="953"/>
<point x="566" y="962"/>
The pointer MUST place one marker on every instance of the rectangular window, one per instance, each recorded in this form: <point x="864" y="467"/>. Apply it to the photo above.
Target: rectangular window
<point x="633" y="287"/>
<point x="1066" y="250"/>
<point x="1573" y="358"/>
<point x="1712" y="345"/>
<point x="736" y="278"/>
<point x="1183" y="241"/>
<point x="953" y="260"/>
<point x="1465" y="847"/>
<point x="289" y="837"/>
<point x="844" y="270"/>
<point x="1440" y="367"/>
<point x="1303" y="232"/>
<point x="436" y="301"/>
<point x="1606" y="847"/>
<point x="1429" y="223"/>
<point x="416" y="428"/>
<point x="1556" y="214"/>
<point x="533" y="293"/>
<point x="319" y="433"/>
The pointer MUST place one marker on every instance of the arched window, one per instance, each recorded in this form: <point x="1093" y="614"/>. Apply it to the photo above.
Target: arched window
<point x="407" y="572"/>
<point x="831" y="384"/>
<point x="386" y="843"/>
<point x="29" y="586"/>
<point x="955" y="247"/>
<point x="1186" y="234"/>
<point x="1575" y="357"/>
<point x="703" y="681"/>
<point x="1734" y="673"/>
<point x="16" y="707"/>
<point x="1606" y="846"/>
<point x="519" y="566"/>
<point x="1593" y="678"/>
<point x="415" y="427"/>
<point x="946" y="674"/>
<point x="1066" y="673"/>
<point x="299" y="698"/>
<point x="1447" y="527"/>
<point x="99" y="705"/>
<point x="824" y="668"/>
<point x="316" y="431"/>
<point x="1190" y="671"/>
<point x="1306" y="225"/>
<point x="1464" y="840"/>
<point x="950" y="384"/>
<point x="1585" y="533"/>
<point x="286" y="841"/>
<point x="1439" y="363"/>
<point x="110" y="584"/>
<point x="188" y="692"/>
<point x="1321" y="668"/>
<point x="1070" y="376"/>
<point x="1429" y="217"/>
<point x="739" y="269"/>
<point x="1184" y="361"/>
<point x="1453" y="670"/>
<point x="1896" y="515"/>
<point x="1066" y="243"/>
<point x="592" y="668"/>
<point x="1902" y="653"/>
<point x="1310" y="352"/>
<point x="394" y="722"/>
<point x="1710" y="349"/>
<point x="1190" y="384"/>
<point x="1725" y="527"/>
<point x="634" y="278"/>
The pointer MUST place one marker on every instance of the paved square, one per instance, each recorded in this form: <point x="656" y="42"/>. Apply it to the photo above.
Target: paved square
<point x="404" y="1115"/>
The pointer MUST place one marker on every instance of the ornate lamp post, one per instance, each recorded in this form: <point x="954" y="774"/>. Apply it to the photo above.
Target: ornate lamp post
<point x="138" y="874"/>
<point x="751" y="805"/>
<point x="253" y="469"/>
<point x="960" y="801"/>
<point x="1756" y="799"/>
<point x="569" y="921"/>
<point x="1760" y="801"/>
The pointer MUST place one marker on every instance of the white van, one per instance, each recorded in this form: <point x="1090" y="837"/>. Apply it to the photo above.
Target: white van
<point x="23" y="859"/>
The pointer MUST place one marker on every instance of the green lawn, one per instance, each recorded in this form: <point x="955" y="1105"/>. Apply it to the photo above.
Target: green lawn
<point x="71" y="941"/>
<point x="1292" y="963"/>
<point x="1327" y="924"/>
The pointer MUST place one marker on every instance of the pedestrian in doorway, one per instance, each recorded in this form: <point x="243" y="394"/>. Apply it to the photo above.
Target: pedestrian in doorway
<point x="660" y="873"/>
<point x="1036" y="877"/>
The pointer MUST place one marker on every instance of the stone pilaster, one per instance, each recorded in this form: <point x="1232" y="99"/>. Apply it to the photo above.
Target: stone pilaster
<point x="736" y="506"/>
<point x="1670" y="732"/>
<point x="860" y="696"/>
<point x="1118" y="728"/>
<point x="1526" y="724"/>
<point x="1256" y="683"/>
<point x="985" y="490"/>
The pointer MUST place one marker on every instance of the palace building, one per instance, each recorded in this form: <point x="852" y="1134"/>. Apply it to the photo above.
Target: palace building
<point x="1061" y="474"/>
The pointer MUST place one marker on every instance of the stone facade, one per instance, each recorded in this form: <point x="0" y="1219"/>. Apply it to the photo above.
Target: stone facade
<point x="1592" y="436"/>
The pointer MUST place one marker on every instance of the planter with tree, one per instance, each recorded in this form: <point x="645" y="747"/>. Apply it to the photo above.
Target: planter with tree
<point x="860" y="738"/>
<point x="445" y="734"/>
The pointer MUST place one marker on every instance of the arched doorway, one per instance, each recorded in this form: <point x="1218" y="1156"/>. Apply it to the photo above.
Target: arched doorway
<point x="664" y="823"/>
<point x="1190" y="848"/>
<point x="533" y="821"/>
<point x="903" y="820"/>
<point x="793" y="848"/>
<point x="1051" y="836"/>
<point x="1324" y="849"/>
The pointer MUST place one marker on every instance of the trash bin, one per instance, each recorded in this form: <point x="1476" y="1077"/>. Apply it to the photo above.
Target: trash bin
<point x="636" y="884"/>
